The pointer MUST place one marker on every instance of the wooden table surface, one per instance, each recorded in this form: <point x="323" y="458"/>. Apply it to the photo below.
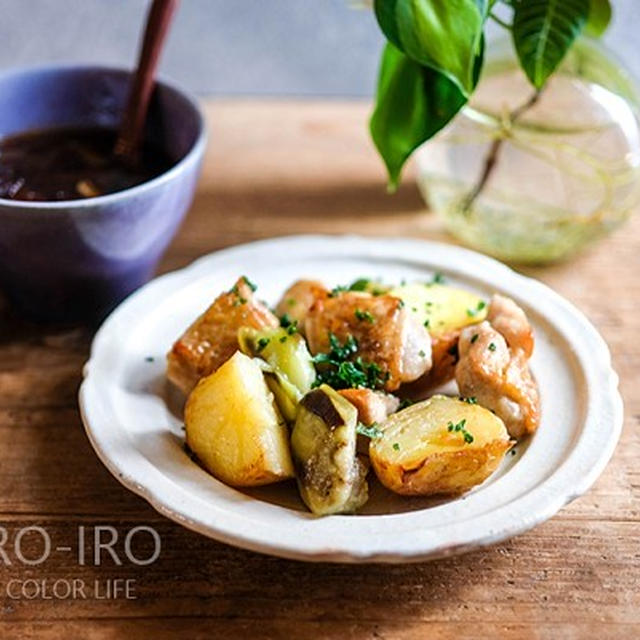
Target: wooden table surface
<point x="276" y="168"/>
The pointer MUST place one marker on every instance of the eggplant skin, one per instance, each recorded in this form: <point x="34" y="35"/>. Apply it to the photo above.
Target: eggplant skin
<point x="331" y="477"/>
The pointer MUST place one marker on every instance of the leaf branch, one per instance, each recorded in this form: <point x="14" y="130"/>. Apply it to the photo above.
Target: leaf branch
<point x="494" y="151"/>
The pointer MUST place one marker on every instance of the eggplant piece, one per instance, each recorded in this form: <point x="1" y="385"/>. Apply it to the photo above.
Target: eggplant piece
<point x="331" y="477"/>
<point x="289" y="371"/>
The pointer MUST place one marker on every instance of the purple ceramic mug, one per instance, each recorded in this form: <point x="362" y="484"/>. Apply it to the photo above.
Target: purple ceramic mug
<point x="74" y="260"/>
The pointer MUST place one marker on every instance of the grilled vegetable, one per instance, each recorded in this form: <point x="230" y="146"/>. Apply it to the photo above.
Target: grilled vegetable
<point x="439" y="446"/>
<point x="234" y="427"/>
<point x="441" y="308"/>
<point x="290" y="373"/>
<point x="285" y="350"/>
<point x="331" y="478"/>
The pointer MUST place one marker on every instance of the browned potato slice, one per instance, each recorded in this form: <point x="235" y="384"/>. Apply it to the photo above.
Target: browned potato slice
<point x="234" y="427"/>
<point x="439" y="446"/>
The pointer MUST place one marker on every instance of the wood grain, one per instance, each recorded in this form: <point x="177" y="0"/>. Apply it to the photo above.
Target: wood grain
<point x="276" y="168"/>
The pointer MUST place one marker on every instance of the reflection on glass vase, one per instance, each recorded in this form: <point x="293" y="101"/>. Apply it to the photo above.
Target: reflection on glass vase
<point x="532" y="178"/>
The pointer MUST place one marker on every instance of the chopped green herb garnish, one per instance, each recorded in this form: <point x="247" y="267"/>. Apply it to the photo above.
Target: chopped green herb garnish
<point x="492" y="346"/>
<point x="370" y="431"/>
<point x="365" y="315"/>
<point x="459" y="427"/>
<point x="474" y="312"/>
<point x="283" y="338"/>
<point x="513" y="452"/>
<point x="291" y="302"/>
<point x="422" y="354"/>
<point x="400" y="303"/>
<point x="262" y="343"/>
<point x="361" y="284"/>
<point x="405" y="402"/>
<point x="338" y="290"/>
<point x="438" y="278"/>
<point x="469" y="400"/>
<point x="396" y="446"/>
<point x="426" y="323"/>
<point x="474" y="337"/>
<point x="341" y="369"/>
<point x="149" y="359"/>
<point x="250" y="284"/>
<point x="287" y="323"/>
<point x="285" y="320"/>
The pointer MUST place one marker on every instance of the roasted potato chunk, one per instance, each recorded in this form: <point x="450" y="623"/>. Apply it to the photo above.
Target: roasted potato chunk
<point x="331" y="477"/>
<point x="441" y="308"/>
<point x="213" y="338"/>
<point x="234" y="427"/>
<point x="439" y="446"/>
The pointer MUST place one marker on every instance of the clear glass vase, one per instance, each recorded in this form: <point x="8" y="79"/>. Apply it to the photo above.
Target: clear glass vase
<point x="534" y="178"/>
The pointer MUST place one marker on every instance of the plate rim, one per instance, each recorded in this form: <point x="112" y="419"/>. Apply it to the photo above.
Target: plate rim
<point x="611" y="403"/>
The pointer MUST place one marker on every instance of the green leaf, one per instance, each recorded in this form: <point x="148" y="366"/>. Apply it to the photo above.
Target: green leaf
<point x="413" y="103"/>
<point x="385" y="11"/>
<point x="543" y="32"/>
<point x="444" y="35"/>
<point x="599" y="18"/>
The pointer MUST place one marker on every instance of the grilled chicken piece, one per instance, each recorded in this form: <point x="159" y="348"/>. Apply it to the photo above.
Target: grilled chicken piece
<point x="299" y="298"/>
<point x="372" y="406"/>
<point x="213" y="338"/>
<point x="386" y="333"/>
<point x="494" y="367"/>
<point x="444" y="355"/>
<point x="507" y="318"/>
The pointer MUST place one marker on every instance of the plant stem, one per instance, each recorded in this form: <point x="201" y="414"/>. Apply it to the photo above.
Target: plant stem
<point x="494" y="152"/>
<point x="500" y="21"/>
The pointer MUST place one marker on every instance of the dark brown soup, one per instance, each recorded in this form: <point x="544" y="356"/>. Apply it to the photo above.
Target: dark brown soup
<point x="71" y="163"/>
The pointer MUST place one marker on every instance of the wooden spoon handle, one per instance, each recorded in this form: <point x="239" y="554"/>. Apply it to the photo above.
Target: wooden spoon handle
<point x="132" y="125"/>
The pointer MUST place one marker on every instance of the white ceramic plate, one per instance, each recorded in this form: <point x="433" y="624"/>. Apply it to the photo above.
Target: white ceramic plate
<point x="139" y="439"/>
